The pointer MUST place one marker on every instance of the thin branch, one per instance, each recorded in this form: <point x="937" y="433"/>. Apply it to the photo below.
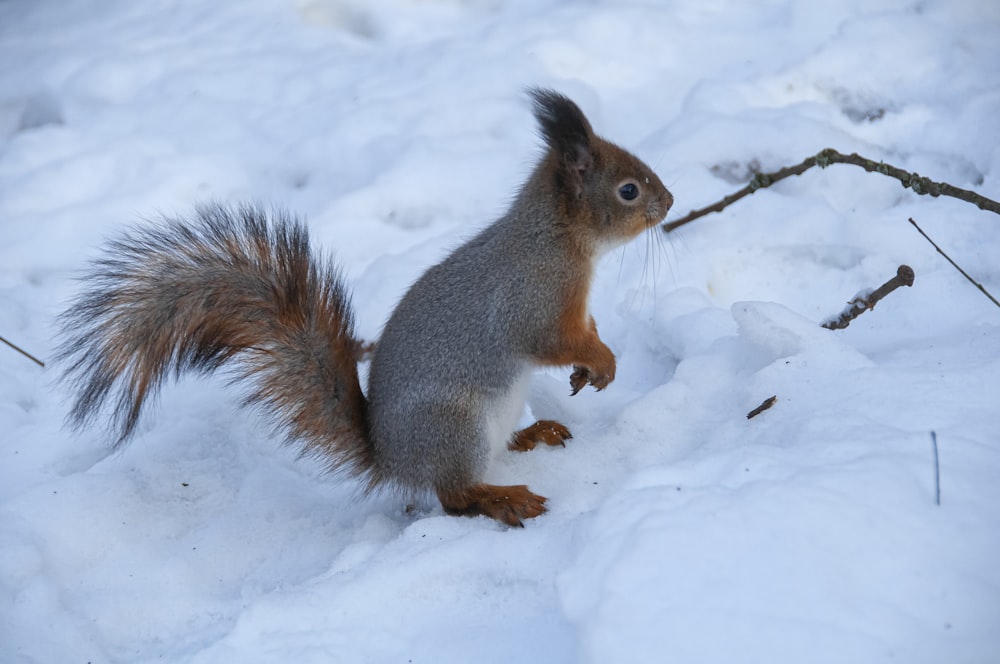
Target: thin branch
<point x="767" y="403"/>
<point x="24" y="352"/>
<point x="913" y="181"/>
<point x="937" y="470"/>
<point x="759" y="181"/>
<point x="964" y="273"/>
<point x="859" y="305"/>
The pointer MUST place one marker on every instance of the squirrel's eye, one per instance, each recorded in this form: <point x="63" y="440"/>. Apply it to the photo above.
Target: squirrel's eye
<point x="628" y="192"/>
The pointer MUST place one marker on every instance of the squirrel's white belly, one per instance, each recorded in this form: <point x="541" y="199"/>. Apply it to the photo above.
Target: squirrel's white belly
<point x="501" y="419"/>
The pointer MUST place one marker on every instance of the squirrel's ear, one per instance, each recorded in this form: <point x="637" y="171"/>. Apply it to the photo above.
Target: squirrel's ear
<point x="565" y="129"/>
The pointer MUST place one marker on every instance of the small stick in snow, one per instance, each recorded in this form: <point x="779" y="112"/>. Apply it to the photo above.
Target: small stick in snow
<point x="767" y="403"/>
<point x="937" y="471"/>
<point x="964" y="274"/>
<point x="859" y="305"/>
<point x="24" y="352"/>
<point x="912" y="181"/>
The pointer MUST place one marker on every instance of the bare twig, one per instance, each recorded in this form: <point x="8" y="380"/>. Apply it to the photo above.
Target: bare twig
<point x="919" y="184"/>
<point x="937" y="470"/>
<point x="859" y="305"/>
<point x="964" y="273"/>
<point x="759" y="181"/>
<point x="767" y="403"/>
<point x="24" y="352"/>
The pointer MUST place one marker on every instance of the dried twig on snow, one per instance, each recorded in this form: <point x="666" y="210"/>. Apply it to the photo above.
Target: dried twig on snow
<point x="859" y="305"/>
<point x="24" y="352"/>
<point x="767" y="403"/>
<point x="964" y="273"/>
<point x="937" y="470"/>
<point x="919" y="184"/>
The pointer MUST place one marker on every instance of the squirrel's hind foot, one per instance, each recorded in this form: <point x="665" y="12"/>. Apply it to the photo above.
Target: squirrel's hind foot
<point x="542" y="431"/>
<point x="507" y="504"/>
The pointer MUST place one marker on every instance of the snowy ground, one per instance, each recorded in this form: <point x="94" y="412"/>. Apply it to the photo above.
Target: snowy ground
<point x="678" y="530"/>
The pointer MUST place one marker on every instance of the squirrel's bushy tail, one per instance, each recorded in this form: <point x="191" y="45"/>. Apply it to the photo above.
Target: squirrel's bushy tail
<point x="231" y="285"/>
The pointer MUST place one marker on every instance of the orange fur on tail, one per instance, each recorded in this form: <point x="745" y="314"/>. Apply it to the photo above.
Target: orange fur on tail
<point x="235" y="287"/>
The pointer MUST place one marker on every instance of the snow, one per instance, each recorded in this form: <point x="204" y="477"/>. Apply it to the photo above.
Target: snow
<point x="678" y="530"/>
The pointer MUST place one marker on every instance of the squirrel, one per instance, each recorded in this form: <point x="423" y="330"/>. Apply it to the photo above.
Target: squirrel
<point x="239" y="286"/>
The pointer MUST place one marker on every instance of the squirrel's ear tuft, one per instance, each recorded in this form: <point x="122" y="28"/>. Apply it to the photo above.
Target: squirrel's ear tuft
<point x="564" y="127"/>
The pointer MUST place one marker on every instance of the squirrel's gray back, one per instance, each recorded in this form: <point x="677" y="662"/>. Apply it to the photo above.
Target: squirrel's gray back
<point x="454" y="352"/>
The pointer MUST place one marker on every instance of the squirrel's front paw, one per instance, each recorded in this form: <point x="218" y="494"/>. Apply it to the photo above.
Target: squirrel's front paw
<point x="599" y="378"/>
<point x="578" y="379"/>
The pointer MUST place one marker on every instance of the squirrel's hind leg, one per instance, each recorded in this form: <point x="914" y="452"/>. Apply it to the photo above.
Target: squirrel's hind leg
<point x="509" y="504"/>
<point x="549" y="432"/>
